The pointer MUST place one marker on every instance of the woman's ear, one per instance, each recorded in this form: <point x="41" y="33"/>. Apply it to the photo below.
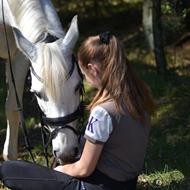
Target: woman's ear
<point x="93" y="69"/>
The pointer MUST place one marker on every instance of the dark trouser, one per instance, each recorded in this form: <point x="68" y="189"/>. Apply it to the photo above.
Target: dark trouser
<point x="21" y="175"/>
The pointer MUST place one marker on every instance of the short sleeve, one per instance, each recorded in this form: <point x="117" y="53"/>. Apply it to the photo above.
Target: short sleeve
<point x="99" y="126"/>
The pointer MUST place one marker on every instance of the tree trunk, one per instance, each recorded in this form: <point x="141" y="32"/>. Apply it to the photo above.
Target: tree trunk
<point x="147" y="22"/>
<point x="158" y="39"/>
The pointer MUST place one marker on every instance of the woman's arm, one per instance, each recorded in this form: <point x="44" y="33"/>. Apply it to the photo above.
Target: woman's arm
<point x="87" y="163"/>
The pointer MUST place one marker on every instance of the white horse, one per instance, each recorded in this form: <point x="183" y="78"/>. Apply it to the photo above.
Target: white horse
<point x="55" y="79"/>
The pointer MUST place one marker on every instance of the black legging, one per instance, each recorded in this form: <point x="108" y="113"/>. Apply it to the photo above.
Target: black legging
<point x="22" y="175"/>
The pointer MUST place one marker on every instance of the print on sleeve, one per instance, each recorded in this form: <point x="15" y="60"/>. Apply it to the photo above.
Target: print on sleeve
<point x="90" y="124"/>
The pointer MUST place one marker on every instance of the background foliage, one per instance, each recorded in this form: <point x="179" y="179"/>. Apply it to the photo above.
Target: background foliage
<point x="168" y="156"/>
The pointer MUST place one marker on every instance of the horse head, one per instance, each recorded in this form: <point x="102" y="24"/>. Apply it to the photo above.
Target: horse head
<point x="56" y="82"/>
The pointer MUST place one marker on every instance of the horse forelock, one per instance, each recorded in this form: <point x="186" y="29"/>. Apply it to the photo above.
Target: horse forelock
<point x="55" y="70"/>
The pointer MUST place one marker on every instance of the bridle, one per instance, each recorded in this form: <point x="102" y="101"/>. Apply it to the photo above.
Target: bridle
<point x="61" y="122"/>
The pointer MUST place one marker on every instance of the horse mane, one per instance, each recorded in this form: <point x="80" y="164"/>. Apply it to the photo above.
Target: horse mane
<point x="29" y="17"/>
<point x="54" y="70"/>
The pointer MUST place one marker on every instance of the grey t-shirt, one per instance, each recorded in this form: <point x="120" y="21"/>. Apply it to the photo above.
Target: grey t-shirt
<point x="124" y="138"/>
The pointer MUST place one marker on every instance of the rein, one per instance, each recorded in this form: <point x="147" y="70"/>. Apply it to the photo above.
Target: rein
<point x="20" y="110"/>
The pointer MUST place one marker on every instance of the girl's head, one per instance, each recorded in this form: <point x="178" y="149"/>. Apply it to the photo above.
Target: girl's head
<point x="95" y="56"/>
<point x="103" y="61"/>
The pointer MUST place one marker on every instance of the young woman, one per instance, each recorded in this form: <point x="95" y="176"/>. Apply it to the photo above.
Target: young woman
<point x="117" y="130"/>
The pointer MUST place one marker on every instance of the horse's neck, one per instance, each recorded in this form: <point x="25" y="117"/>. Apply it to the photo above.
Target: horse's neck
<point x="54" y="24"/>
<point x="31" y="18"/>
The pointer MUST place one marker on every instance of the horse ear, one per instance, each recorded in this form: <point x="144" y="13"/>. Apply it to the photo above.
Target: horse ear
<point x="25" y="46"/>
<point x="71" y="36"/>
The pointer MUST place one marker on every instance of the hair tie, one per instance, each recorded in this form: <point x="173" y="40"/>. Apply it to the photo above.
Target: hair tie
<point x="105" y="37"/>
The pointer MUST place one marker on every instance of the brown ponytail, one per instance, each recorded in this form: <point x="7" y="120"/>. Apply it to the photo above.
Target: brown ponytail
<point x="118" y="80"/>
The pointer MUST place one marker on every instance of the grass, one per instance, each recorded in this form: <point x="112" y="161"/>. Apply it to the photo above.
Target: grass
<point x="170" y="134"/>
<point x="167" y="163"/>
<point x="160" y="179"/>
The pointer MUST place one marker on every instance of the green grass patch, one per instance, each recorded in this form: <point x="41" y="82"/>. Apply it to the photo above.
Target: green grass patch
<point x="160" y="179"/>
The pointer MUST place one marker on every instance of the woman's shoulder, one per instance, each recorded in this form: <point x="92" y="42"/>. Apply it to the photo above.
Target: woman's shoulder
<point x="110" y="108"/>
<point x="108" y="105"/>
<point x="105" y="109"/>
<point x="100" y="110"/>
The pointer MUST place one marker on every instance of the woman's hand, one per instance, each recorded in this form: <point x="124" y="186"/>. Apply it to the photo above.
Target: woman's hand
<point x="87" y="163"/>
<point x="59" y="168"/>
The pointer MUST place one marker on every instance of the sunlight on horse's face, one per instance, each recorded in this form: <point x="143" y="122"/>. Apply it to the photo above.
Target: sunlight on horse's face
<point x="54" y="85"/>
<point x="65" y="143"/>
